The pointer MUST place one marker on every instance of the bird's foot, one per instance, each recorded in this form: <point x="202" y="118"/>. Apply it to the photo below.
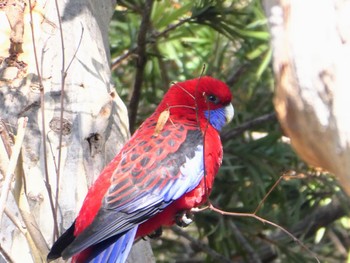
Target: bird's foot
<point x="184" y="218"/>
<point x="156" y="234"/>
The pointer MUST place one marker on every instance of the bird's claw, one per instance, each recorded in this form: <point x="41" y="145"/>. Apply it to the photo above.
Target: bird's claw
<point x="184" y="218"/>
<point x="157" y="233"/>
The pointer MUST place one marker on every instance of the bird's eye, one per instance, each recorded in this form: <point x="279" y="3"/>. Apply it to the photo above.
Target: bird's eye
<point x="213" y="99"/>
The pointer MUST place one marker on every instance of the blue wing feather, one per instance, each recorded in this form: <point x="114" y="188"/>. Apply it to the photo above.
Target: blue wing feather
<point x="116" y="251"/>
<point x="165" y="180"/>
<point x="192" y="172"/>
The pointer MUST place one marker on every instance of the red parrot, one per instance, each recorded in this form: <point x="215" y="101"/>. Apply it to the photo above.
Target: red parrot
<point x="165" y="169"/>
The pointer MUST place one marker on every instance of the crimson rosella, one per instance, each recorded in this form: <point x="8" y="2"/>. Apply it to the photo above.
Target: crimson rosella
<point x="165" y="169"/>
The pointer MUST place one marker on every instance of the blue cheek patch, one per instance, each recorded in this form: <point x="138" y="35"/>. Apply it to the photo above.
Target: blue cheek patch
<point x="216" y="118"/>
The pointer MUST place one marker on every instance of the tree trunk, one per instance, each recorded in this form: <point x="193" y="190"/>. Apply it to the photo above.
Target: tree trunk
<point x="311" y="42"/>
<point x="76" y="123"/>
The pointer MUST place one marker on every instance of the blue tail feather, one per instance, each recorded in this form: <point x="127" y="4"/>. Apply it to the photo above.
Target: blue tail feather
<point x="113" y="250"/>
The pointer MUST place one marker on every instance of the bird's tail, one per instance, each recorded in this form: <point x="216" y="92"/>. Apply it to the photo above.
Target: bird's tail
<point x="114" y="249"/>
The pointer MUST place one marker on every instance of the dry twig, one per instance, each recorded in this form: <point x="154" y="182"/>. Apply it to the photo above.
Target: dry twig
<point x="22" y="123"/>
<point x="263" y="220"/>
<point x="43" y="121"/>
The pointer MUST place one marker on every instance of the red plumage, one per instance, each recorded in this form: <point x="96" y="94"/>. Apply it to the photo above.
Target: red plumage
<point x="159" y="172"/>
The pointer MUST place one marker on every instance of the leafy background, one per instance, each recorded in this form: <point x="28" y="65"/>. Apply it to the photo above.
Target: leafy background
<point x="231" y="39"/>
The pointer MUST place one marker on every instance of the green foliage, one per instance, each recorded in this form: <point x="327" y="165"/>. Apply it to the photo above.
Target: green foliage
<point x="231" y="39"/>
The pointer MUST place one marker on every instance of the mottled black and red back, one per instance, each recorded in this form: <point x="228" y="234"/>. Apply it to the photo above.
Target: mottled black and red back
<point x="161" y="153"/>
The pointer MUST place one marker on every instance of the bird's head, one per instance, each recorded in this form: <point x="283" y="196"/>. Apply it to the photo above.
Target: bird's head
<point x="203" y="97"/>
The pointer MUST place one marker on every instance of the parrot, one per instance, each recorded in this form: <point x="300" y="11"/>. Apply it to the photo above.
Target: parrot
<point x="166" y="169"/>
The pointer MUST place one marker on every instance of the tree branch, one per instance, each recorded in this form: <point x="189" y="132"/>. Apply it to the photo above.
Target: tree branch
<point x="230" y="134"/>
<point x="141" y="63"/>
<point x="63" y="79"/>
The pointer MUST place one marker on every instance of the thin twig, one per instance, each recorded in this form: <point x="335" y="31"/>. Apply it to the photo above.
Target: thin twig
<point x="57" y="165"/>
<point x="6" y="140"/>
<point x="5" y="255"/>
<point x="76" y="50"/>
<point x="15" y="221"/>
<point x="141" y="63"/>
<point x="43" y="122"/>
<point x="116" y="62"/>
<point x="63" y="78"/>
<point x="267" y="194"/>
<point x="230" y="134"/>
<point x="36" y="241"/>
<point x="264" y="221"/>
<point x="35" y="252"/>
<point x="6" y="186"/>
<point x="307" y="227"/>
<point x="205" y="248"/>
<point x="204" y="131"/>
<point x="196" y="95"/>
<point x="5" y="137"/>
<point x="186" y="91"/>
<point x="171" y="28"/>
